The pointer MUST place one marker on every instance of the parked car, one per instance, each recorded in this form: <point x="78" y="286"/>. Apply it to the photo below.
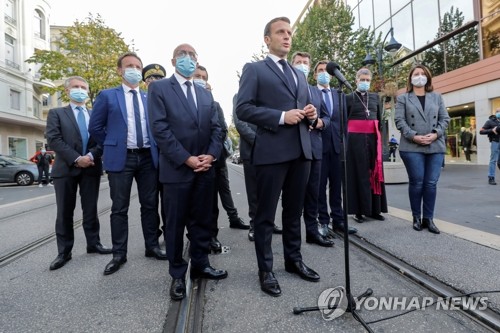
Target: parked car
<point x="235" y="158"/>
<point x="17" y="170"/>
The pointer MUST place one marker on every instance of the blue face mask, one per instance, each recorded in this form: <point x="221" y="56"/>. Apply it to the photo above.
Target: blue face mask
<point x="200" y="82"/>
<point x="323" y="78"/>
<point x="498" y="115"/>
<point x="363" y="86"/>
<point x="132" y="75"/>
<point x="78" y="95"/>
<point x="185" y="66"/>
<point x="303" y="68"/>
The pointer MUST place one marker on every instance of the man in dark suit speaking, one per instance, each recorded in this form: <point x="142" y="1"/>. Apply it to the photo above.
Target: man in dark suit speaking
<point x="78" y="164"/>
<point x="275" y="97"/>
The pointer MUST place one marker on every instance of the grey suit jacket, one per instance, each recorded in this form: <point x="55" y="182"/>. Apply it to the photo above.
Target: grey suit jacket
<point x="63" y="136"/>
<point x="412" y="120"/>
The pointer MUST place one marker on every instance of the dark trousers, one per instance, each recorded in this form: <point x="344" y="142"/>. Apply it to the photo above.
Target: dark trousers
<point x="43" y="170"/>
<point x="331" y="175"/>
<point x="66" y="189"/>
<point x="289" y="179"/>
<point x="251" y="188"/>
<point x="310" y="212"/>
<point x="223" y="190"/>
<point x="186" y="206"/>
<point x="138" y="166"/>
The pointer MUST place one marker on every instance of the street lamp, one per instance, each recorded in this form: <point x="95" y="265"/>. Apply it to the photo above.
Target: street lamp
<point x="392" y="47"/>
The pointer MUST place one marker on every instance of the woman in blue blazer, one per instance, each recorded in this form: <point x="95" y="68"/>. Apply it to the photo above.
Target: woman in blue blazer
<point x="422" y="119"/>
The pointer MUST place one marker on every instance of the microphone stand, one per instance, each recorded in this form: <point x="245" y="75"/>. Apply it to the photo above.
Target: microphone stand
<point x="351" y="302"/>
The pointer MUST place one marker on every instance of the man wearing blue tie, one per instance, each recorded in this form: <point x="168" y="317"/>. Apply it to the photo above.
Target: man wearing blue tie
<point x="331" y="168"/>
<point x="78" y="165"/>
<point x="120" y="124"/>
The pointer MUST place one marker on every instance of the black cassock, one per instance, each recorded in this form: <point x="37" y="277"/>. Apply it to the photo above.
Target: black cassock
<point x="365" y="186"/>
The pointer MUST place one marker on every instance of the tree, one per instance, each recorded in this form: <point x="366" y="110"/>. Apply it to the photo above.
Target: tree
<point x="327" y="33"/>
<point x="88" y="49"/>
<point x="458" y="51"/>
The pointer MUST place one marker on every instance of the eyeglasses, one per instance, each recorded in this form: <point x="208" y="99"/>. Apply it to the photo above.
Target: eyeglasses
<point x="182" y="54"/>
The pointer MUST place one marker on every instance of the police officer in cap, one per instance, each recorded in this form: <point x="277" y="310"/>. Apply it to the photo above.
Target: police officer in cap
<point x="153" y="72"/>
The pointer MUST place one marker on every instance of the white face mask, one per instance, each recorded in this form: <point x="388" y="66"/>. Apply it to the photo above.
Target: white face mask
<point x="419" y="81"/>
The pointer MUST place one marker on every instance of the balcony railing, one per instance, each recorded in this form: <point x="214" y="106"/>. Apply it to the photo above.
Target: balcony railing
<point x="10" y="19"/>
<point x="12" y="64"/>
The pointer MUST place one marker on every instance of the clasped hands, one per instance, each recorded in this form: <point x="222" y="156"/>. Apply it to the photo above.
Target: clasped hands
<point x="295" y="116"/>
<point x="200" y="163"/>
<point x="425" y="140"/>
<point x="84" y="162"/>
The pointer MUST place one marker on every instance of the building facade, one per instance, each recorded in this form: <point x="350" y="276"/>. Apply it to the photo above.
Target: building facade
<point x="23" y="105"/>
<point x="459" y="40"/>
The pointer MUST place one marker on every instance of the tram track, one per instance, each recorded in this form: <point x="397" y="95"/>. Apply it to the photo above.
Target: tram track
<point x="31" y="246"/>
<point x="188" y="314"/>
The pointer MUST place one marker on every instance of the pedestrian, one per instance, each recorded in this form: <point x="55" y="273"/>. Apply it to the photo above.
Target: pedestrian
<point x="491" y="128"/>
<point x="78" y="166"/>
<point x="43" y="162"/>
<point x="222" y="187"/>
<point x="150" y="73"/>
<point x="331" y="166"/>
<point x="247" y="132"/>
<point x="275" y="97"/>
<point x="466" y="142"/>
<point x="302" y="61"/>
<point x="393" y="147"/>
<point x="365" y="187"/>
<point x="119" y="123"/>
<point x="185" y="125"/>
<point x="422" y="119"/>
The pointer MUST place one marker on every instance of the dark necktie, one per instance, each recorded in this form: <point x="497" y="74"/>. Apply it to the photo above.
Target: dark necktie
<point x="190" y="98"/>
<point x="288" y="74"/>
<point x="327" y="100"/>
<point x="82" y="125"/>
<point x="137" y="116"/>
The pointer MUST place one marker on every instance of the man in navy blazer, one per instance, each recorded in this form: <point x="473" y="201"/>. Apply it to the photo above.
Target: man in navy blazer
<point x="185" y="125"/>
<point x="331" y="167"/>
<point x="119" y="123"/>
<point x="275" y="97"/>
<point x="78" y="166"/>
<point x="301" y="61"/>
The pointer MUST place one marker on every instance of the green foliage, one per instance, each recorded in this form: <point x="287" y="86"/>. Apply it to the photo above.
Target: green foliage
<point x="88" y="49"/>
<point x="458" y="51"/>
<point x="327" y="34"/>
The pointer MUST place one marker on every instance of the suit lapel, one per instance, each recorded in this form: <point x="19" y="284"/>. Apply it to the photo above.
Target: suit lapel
<point x="274" y="67"/>
<point x="120" y="96"/>
<point x="68" y="112"/>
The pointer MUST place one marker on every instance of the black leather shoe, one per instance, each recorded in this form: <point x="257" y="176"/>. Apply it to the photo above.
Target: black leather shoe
<point x="178" y="289"/>
<point x="302" y="270"/>
<point x="359" y="218"/>
<point x="251" y="235"/>
<point x="215" y="246"/>
<point x="209" y="273"/>
<point x="60" y="261"/>
<point x="277" y="230"/>
<point x="319" y="240"/>
<point x="269" y="284"/>
<point x="340" y="227"/>
<point x="99" y="248"/>
<point x="417" y="223"/>
<point x="430" y="225"/>
<point x="238" y="223"/>
<point x="157" y="253"/>
<point x="378" y="217"/>
<point x="114" y="265"/>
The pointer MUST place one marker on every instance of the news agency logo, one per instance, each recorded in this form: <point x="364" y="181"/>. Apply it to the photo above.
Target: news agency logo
<point x="332" y="303"/>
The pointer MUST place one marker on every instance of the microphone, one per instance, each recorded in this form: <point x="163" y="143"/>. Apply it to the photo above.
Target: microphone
<point x="334" y="69"/>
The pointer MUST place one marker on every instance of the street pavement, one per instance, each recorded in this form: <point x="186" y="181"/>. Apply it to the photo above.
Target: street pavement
<point x="79" y="298"/>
